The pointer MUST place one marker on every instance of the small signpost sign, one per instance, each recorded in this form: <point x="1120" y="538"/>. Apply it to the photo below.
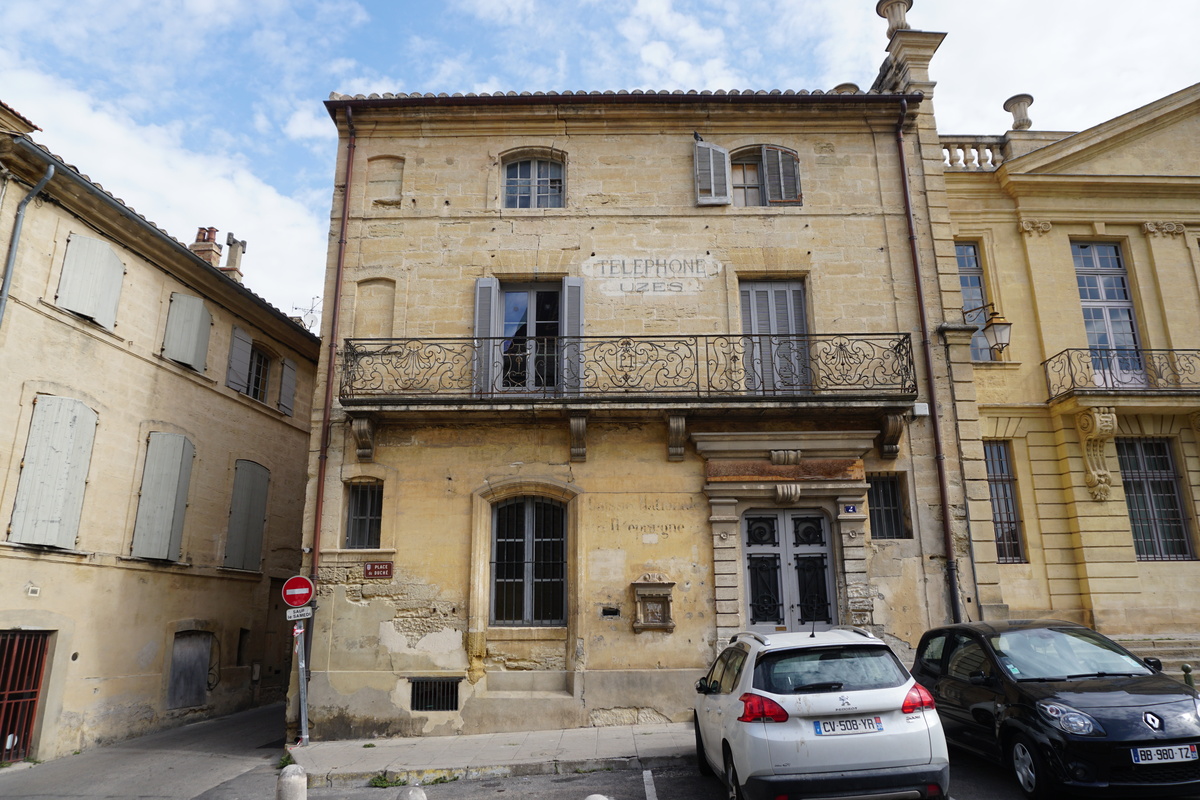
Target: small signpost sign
<point x="377" y="569"/>
<point x="298" y="591"/>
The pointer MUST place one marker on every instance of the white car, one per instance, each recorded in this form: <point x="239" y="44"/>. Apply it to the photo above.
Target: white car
<point x="830" y="713"/>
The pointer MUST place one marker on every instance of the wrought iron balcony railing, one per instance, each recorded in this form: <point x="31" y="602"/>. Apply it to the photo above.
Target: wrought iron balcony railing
<point x="562" y="369"/>
<point x="1123" y="370"/>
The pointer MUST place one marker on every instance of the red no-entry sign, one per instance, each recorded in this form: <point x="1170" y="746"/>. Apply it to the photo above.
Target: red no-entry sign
<point x="297" y="590"/>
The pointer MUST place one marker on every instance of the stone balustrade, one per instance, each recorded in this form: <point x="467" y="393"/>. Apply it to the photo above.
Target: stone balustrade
<point x="972" y="153"/>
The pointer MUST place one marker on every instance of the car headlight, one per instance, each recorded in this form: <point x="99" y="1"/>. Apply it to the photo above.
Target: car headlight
<point x="1069" y="720"/>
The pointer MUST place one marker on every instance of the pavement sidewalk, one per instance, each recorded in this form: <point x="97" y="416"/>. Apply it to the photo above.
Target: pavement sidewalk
<point x="423" y="760"/>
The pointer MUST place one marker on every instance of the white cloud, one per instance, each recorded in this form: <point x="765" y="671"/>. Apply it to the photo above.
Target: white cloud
<point x="309" y="121"/>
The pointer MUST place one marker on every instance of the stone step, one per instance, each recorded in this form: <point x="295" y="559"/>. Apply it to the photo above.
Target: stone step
<point x="1174" y="650"/>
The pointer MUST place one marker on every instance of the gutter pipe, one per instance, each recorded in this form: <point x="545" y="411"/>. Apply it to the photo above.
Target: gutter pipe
<point x="11" y="262"/>
<point x="927" y="350"/>
<point x="331" y="362"/>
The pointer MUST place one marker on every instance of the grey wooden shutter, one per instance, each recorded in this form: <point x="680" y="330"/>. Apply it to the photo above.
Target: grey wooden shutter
<point x="782" y="168"/>
<point x="238" y="376"/>
<point x="188" y="328"/>
<point x="158" y="528"/>
<point x="571" y="343"/>
<point x="90" y="284"/>
<point x="713" y="176"/>
<point x="247" y="515"/>
<point x="287" y="387"/>
<point x="773" y="320"/>
<point x="487" y="345"/>
<point x="54" y="472"/>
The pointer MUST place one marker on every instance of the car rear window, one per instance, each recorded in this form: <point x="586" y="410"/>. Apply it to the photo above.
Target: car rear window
<point x="828" y="669"/>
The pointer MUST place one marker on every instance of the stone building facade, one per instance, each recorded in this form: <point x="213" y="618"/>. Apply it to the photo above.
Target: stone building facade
<point x="153" y="439"/>
<point x="1087" y="243"/>
<point x="620" y="374"/>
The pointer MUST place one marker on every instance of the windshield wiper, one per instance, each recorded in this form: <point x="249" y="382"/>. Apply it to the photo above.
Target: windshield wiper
<point x="830" y="686"/>
<point x="1040" y="680"/>
<point x="1105" y="675"/>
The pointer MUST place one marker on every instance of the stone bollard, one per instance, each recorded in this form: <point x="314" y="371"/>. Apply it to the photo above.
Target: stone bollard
<point x="1188" y="678"/>
<point x="411" y="793"/>
<point x="292" y="784"/>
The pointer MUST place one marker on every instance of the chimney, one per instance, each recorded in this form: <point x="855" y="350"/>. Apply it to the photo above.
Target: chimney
<point x="206" y="246"/>
<point x="233" y="264"/>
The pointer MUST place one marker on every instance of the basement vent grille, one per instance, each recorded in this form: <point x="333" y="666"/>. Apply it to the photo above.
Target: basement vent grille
<point x="435" y="694"/>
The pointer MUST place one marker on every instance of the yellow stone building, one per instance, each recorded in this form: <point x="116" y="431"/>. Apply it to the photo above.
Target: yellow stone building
<point x="620" y="374"/>
<point x="153" y="436"/>
<point x="1086" y="242"/>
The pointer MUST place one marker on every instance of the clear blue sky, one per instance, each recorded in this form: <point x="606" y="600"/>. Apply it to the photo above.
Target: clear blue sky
<point x="209" y="112"/>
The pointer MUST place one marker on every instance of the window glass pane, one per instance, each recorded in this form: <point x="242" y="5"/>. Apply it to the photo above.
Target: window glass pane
<point x="365" y="516"/>
<point x="970" y="278"/>
<point x="1006" y="518"/>
<point x="886" y="508"/>
<point x="529" y="562"/>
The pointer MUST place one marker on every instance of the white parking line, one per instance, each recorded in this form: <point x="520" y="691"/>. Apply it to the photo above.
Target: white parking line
<point x="648" y="780"/>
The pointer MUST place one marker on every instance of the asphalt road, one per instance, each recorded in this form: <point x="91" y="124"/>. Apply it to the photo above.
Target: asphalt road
<point x="235" y="758"/>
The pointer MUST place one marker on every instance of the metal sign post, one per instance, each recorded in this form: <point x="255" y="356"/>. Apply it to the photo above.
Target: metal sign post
<point x="298" y="633"/>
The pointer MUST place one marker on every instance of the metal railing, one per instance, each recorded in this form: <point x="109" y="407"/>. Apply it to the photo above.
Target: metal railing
<point x="1122" y="370"/>
<point x="648" y="368"/>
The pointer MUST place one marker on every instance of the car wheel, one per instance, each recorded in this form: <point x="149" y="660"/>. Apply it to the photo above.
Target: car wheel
<point x="702" y="765"/>
<point x="732" y="786"/>
<point x="1030" y="769"/>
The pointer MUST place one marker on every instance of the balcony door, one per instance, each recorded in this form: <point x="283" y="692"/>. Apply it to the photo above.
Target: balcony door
<point x="789" y="574"/>
<point x="773" y="327"/>
<point x="527" y="337"/>
<point x="1108" y="316"/>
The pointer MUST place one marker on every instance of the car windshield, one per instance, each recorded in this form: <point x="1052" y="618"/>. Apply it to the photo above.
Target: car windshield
<point x="1060" y="653"/>
<point x="827" y="669"/>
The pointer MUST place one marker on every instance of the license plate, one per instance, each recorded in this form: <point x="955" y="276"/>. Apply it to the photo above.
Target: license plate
<point x="1160" y="755"/>
<point x="844" y="726"/>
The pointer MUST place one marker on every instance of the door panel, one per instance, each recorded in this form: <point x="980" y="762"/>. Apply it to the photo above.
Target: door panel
<point x="789" y="579"/>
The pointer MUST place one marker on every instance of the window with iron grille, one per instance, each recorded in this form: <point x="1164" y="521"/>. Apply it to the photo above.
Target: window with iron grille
<point x="364" y="516"/>
<point x="1153" y="498"/>
<point x="885" y="503"/>
<point x="529" y="562"/>
<point x="22" y="667"/>
<point x="435" y="694"/>
<point x="1002" y="486"/>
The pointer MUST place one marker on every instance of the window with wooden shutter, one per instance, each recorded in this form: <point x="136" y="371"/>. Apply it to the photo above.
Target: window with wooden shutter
<point x="162" y="502"/>
<point x="572" y="331"/>
<point x="774" y="327"/>
<point x="712" y="175"/>
<point x="237" y="375"/>
<point x="487" y="348"/>
<point x="188" y="328"/>
<point x="287" y="387"/>
<point x="247" y="516"/>
<point x="90" y="284"/>
<point x="54" y="472"/>
<point x="781" y="169"/>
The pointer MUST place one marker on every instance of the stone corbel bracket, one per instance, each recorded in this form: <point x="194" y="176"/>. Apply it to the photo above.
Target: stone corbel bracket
<point x="578" y="437"/>
<point x="363" y="429"/>
<point x="1031" y="226"/>
<point x="1163" y="229"/>
<point x="891" y="426"/>
<point x="1096" y="426"/>
<point x="676" y="436"/>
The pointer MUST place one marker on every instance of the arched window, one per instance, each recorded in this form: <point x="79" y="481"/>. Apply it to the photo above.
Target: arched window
<point x="529" y="562"/>
<point x="534" y="183"/>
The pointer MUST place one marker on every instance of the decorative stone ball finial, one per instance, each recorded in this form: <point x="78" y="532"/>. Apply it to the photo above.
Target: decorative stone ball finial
<point x="893" y="11"/>
<point x="1019" y="105"/>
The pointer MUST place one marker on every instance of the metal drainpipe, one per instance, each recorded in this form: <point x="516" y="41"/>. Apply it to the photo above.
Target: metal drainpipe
<point x="927" y="350"/>
<point x="327" y="412"/>
<point x="11" y="262"/>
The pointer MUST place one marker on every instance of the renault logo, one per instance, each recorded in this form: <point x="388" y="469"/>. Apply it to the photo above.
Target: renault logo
<point x="1153" y="720"/>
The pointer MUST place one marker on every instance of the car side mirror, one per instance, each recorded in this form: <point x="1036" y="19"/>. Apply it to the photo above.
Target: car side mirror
<point x="702" y="686"/>
<point x="1153" y="663"/>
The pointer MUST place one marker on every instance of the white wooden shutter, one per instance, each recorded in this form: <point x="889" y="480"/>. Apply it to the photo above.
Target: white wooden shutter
<point x="158" y="529"/>
<point x="247" y="516"/>
<point x="487" y="325"/>
<point x="782" y="168"/>
<point x="188" y="328"/>
<point x="287" y="387"/>
<point x="713" y="175"/>
<point x="238" y="375"/>
<point x="90" y="284"/>
<point x="571" y="345"/>
<point x="54" y="472"/>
